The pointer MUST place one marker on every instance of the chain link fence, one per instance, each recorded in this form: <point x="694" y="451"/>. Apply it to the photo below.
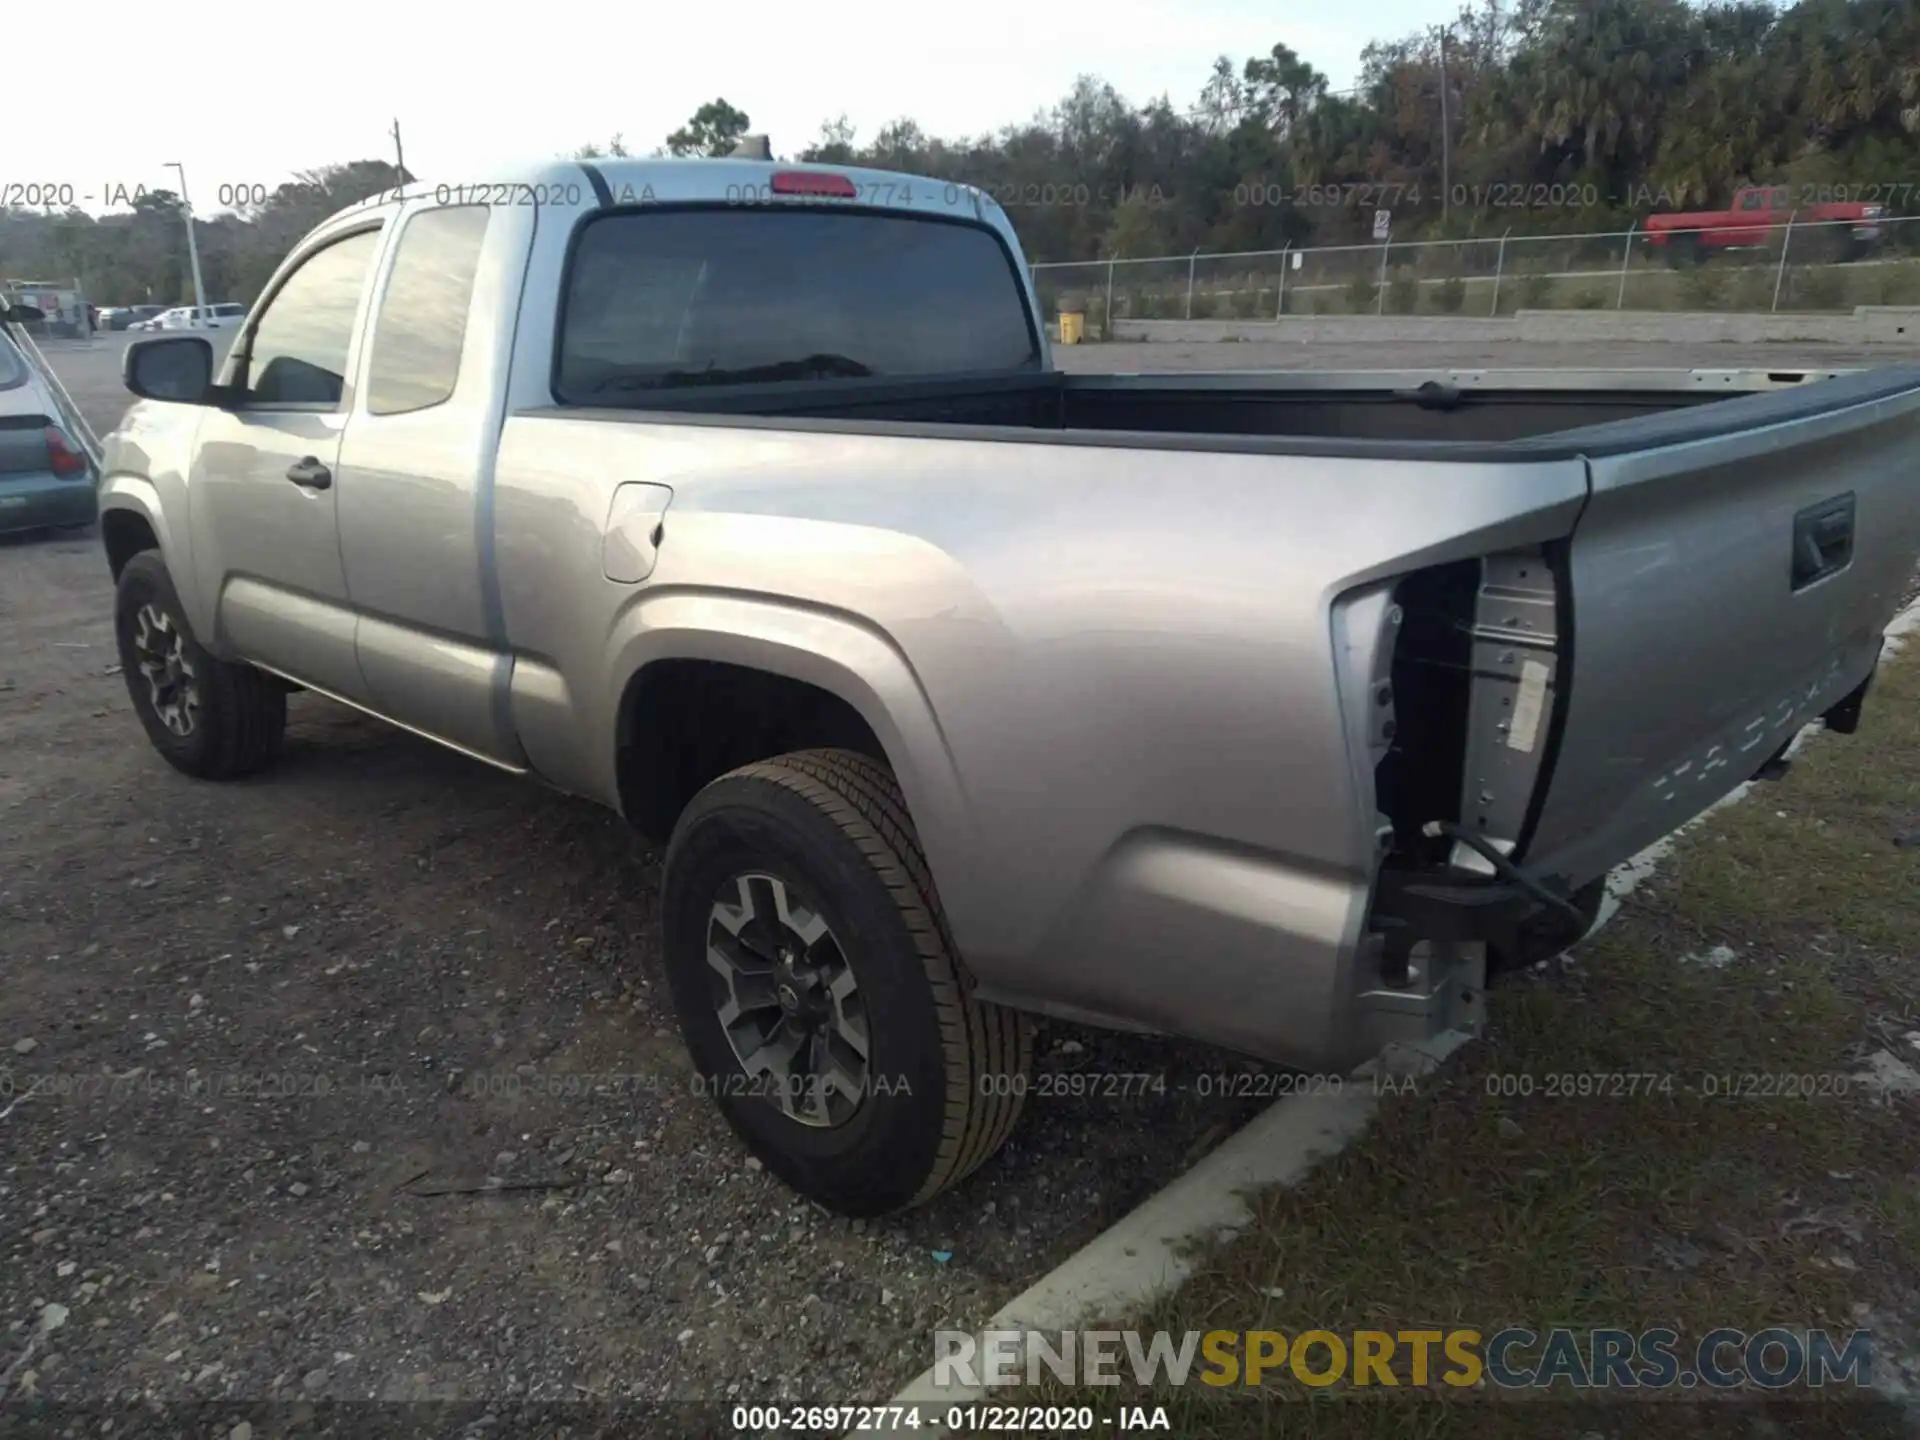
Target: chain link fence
<point x="1767" y="267"/>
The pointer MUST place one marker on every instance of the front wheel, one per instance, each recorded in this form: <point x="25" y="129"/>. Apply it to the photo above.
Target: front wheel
<point x="208" y="718"/>
<point x="818" y="991"/>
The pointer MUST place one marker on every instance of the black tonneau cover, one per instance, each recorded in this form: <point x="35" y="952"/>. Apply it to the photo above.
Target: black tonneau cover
<point x="1457" y="415"/>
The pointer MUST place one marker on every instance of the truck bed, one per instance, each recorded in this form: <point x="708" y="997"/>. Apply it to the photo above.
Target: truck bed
<point x="1466" y="414"/>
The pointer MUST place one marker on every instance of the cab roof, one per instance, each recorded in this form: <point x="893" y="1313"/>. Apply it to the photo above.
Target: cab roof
<point x="666" y="180"/>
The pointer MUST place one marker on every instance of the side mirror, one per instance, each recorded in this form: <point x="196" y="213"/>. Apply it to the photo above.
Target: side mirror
<point x="178" y="368"/>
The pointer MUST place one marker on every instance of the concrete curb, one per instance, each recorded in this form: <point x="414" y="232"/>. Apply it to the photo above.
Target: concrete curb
<point x="1147" y="1255"/>
<point x="1904" y="624"/>
<point x="1864" y="325"/>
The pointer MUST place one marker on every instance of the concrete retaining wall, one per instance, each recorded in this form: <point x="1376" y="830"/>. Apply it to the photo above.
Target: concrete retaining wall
<point x="1866" y="325"/>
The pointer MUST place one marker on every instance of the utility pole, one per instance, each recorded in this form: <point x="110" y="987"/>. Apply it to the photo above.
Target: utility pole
<point x="399" y="156"/>
<point x="1446" y="138"/>
<point x="193" y="249"/>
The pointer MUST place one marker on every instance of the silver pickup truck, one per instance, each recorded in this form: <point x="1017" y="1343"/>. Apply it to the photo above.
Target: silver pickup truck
<point x="1269" y="710"/>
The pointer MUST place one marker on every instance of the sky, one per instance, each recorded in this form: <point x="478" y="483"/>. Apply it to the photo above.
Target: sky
<point x="286" y="91"/>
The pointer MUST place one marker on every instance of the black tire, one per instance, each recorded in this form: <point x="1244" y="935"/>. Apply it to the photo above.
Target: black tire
<point x="946" y="1074"/>
<point x="1684" y="250"/>
<point x="241" y="714"/>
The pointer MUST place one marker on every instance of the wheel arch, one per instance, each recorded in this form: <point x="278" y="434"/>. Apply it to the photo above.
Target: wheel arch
<point x="133" y="519"/>
<point x="848" y="684"/>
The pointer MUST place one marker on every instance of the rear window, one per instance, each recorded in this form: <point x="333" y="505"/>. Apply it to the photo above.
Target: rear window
<point x="666" y="299"/>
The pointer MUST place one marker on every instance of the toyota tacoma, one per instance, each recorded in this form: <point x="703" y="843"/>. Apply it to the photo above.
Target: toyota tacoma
<point x="1271" y="710"/>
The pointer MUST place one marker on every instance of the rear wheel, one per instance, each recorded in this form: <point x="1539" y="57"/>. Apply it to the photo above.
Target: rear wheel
<point x="818" y="990"/>
<point x="1684" y="250"/>
<point x="208" y="718"/>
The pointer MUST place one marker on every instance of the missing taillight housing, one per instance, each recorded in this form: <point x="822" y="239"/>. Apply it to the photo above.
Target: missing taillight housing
<point x="63" y="456"/>
<point x="1475" y="675"/>
<point x="1419" y="779"/>
<point x="1479" y="673"/>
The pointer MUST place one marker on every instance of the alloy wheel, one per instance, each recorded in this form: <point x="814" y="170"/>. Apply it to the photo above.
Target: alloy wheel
<point x="173" y="686"/>
<point x="786" y="998"/>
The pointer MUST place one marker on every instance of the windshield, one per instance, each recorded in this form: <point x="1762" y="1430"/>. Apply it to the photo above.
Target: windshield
<point x="665" y="299"/>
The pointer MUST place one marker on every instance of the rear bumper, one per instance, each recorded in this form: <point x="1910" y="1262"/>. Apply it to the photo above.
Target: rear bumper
<point x="39" y="498"/>
<point x="1186" y="936"/>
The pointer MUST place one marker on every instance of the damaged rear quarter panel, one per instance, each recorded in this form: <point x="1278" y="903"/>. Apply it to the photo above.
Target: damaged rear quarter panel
<point x="1131" y="653"/>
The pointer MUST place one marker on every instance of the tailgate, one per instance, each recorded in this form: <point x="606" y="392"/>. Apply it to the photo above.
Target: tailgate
<point x="1730" y="577"/>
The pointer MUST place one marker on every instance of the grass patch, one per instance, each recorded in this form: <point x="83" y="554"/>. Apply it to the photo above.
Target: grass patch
<point x="1778" y="939"/>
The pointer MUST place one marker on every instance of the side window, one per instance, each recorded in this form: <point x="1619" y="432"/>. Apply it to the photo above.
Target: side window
<point x="1754" y="200"/>
<point x="299" y="350"/>
<point x="423" y="314"/>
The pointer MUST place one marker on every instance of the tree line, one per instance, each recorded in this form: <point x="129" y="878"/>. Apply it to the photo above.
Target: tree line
<point x="140" y="257"/>
<point x="1524" y="115"/>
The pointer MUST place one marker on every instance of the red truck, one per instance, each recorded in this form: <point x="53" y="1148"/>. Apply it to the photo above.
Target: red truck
<point x="1759" y="216"/>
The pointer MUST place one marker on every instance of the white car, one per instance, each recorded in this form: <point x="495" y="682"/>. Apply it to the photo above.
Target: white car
<point x="189" y="317"/>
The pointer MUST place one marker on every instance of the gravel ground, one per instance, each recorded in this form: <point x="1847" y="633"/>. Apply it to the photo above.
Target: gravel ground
<point x="357" y="1080"/>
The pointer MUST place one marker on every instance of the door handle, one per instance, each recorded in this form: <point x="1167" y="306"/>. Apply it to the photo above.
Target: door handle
<point x="1822" y="540"/>
<point x="310" y="474"/>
